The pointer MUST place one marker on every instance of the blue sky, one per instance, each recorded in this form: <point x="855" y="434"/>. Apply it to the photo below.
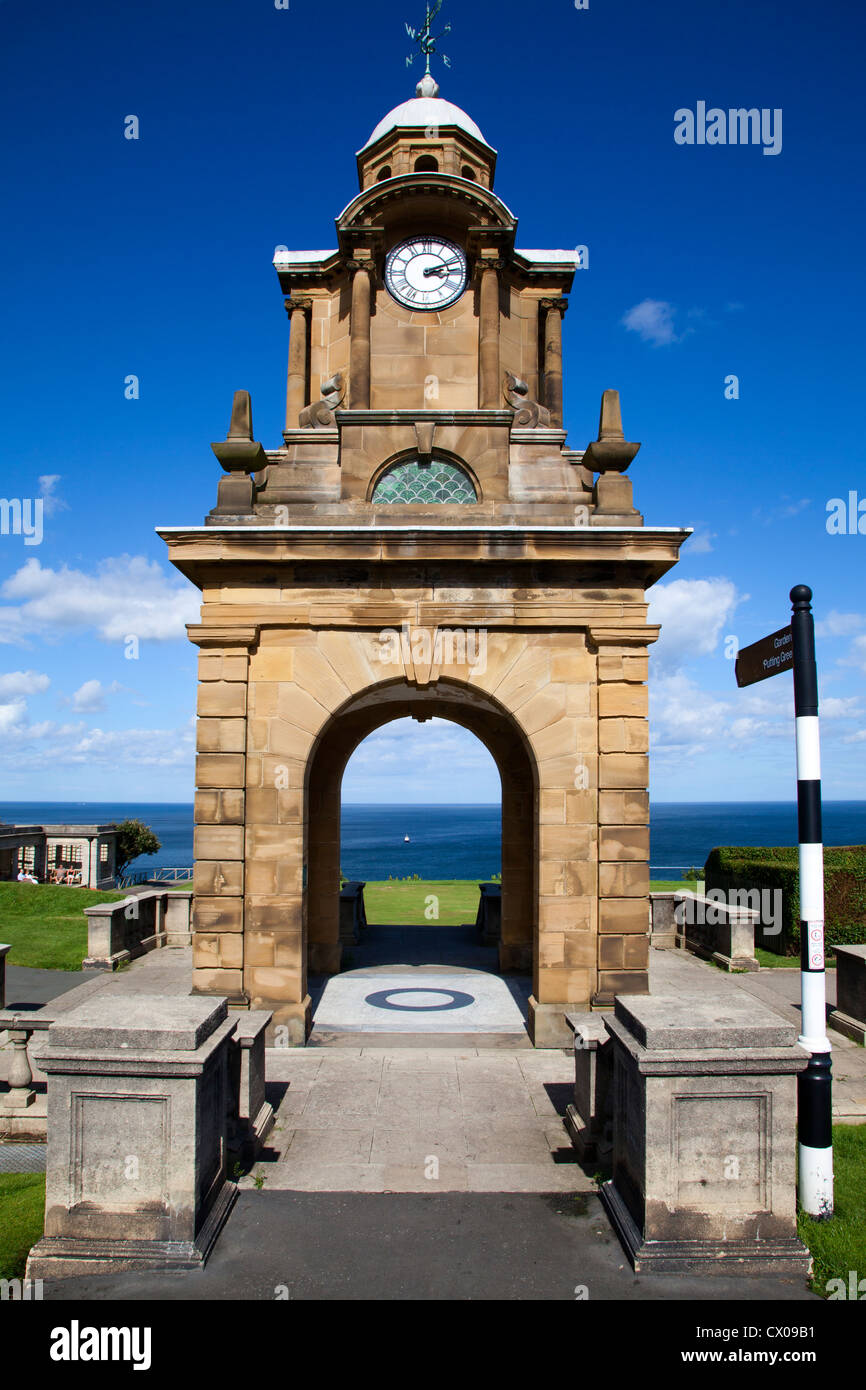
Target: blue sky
<point x="153" y="257"/>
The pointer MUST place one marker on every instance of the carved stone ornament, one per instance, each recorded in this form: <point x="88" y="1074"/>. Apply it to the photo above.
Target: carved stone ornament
<point x="530" y="415"/>
<point x="320" y="415"/>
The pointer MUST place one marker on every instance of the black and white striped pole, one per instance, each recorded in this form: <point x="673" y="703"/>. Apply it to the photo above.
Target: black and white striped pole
<point x="814" y="1085"/>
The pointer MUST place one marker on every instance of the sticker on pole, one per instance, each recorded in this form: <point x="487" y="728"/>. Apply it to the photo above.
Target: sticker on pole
<point x="766" y="658"/>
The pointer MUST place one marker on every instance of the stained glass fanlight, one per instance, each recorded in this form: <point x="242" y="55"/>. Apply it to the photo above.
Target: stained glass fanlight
<point x="414" y="482"/>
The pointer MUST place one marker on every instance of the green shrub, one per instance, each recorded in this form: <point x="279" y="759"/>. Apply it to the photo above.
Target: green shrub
<point x="750" y="866"/>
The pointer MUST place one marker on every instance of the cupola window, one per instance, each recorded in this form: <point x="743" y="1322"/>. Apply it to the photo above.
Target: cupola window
<point x="384" y="174"/>
<point x="424" y="483"/>
<point x="426" y="164"/>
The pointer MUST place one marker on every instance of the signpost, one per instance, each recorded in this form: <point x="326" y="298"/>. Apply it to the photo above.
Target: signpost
<point x="793" y="648"/>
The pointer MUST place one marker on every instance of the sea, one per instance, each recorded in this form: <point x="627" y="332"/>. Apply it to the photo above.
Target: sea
<point x="464" y="841"/>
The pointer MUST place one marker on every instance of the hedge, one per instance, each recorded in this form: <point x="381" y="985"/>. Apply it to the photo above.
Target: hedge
<point x="750" y="866"/>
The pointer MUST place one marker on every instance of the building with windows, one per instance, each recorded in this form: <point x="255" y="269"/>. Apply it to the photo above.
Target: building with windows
<point x="83" y="855"/>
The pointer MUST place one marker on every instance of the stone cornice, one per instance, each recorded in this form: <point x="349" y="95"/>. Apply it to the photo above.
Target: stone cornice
<point x="437" y="417"/>
<point x="206" y="636"/>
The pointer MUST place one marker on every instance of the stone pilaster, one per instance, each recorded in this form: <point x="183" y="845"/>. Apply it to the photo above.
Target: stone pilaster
<point x="359" y="352"/>
<point x="220" y="811"/>
<point x="623" y="812"/>
<point x="297" y="388"/>
<point x="553" y="312"/>
<point x="489" y="388"/>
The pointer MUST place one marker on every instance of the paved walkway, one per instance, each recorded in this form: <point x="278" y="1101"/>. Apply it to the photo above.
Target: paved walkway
<point x="421" y="1120"/>
<point x="457" y="1246"/>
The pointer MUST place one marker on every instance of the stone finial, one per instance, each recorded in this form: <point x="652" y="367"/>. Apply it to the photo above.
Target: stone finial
<point x="239" y="453"/>
<point x="529" y="414"/>
<point x="428" y="86"/>
<point x="611" y="452"/>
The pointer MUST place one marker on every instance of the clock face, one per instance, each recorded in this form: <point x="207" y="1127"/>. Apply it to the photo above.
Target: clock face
<point x="426" y="273"/>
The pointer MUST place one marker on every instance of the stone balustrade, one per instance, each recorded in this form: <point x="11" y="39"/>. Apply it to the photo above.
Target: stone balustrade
<point x="489" y="919"/>
<point x="589" y="1118"/>
<point x="711" y="928"/>
<point x="353" y="914"/>
<point x="250" y="1114"/>
<point x="119" y="932"/>
<point x="849" y="1015"/>
<point x="22" y="1109"/>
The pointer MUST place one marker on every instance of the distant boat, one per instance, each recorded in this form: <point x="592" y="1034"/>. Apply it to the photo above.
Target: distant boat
<point x="406" y="840"/>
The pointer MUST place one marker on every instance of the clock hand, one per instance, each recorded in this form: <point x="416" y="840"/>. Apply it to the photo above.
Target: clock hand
<point x="441" y="269"/>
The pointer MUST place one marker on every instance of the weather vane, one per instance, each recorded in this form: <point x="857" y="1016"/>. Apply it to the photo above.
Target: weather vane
<point x="425" y="40"/>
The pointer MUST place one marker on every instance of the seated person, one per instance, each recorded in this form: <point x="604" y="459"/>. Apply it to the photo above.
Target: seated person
<point x="25" y="877"/>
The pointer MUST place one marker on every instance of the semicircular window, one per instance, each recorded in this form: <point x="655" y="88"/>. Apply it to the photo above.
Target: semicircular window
<point x="418" y="483"/>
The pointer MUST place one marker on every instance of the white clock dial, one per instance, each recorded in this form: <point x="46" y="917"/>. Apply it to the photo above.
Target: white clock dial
<point x="426" y="273"/>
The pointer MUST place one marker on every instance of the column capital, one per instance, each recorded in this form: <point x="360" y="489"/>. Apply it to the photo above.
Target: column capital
<point x="496" y="264"/>
<point x="560" y="303"/>
<point x="294" y="303"/>
<point x="354" y="265"/>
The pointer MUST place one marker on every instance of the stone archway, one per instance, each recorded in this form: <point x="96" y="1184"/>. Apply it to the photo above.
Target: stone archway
<point x="506" y="743"/>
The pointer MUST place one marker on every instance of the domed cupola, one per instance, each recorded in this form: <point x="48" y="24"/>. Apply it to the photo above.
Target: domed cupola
<point x="427" y="135"/>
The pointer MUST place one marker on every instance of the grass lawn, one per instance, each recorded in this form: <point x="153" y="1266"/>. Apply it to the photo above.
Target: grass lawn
<point x="771" y="960"/>
<point x="22" y="1213"/>
<point x="44" y="923"/>
<point x="393" y="904"/>
<point x="676" y="885"/>
<point x="839" y="1245"/>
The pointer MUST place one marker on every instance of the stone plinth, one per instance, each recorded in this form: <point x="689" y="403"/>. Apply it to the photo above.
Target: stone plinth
<point x="178" y="918"/>
<point x="849" y="1015"/>
<point x="136" y="1159"/>
<point x="705" y="1123"/>
<point x="663" y="922"/>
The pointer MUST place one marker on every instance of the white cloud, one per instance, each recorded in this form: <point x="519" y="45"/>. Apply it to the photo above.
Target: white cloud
<point x="23" y="683"/>
<point x="701" y="542"/>
<point x="12" y="715"/>
<point x="51" y="744"/>
<point x="127" y="594"/>
<point x="838" y="624"/>
<point x="683" y="717"/>
<point x="857" y="653"/>
<point x="840" y="707"/>
<point x="653" y="321"/>
<point x="692" y="613"/>
<point x="48" y="492"/>
<point x="89" y="697"/>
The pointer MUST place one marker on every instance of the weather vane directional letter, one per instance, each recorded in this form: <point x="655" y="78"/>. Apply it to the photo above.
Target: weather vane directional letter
<point x="425" y="40"/>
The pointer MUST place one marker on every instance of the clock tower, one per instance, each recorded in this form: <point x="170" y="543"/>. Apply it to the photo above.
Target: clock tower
<point x="424" y="541"/>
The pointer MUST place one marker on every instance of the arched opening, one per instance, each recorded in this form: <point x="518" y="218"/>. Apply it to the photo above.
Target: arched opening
<point x="383" y="174"/>
<point x="426" y="164"/>
<point x="468" y="173"/>
<point x="332" y="949"/>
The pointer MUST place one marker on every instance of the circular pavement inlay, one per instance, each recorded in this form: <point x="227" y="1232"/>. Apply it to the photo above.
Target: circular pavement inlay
<point x="449" y="999"/>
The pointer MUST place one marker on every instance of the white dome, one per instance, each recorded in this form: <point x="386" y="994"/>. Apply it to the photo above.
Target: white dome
<point x="424" y="112"/>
